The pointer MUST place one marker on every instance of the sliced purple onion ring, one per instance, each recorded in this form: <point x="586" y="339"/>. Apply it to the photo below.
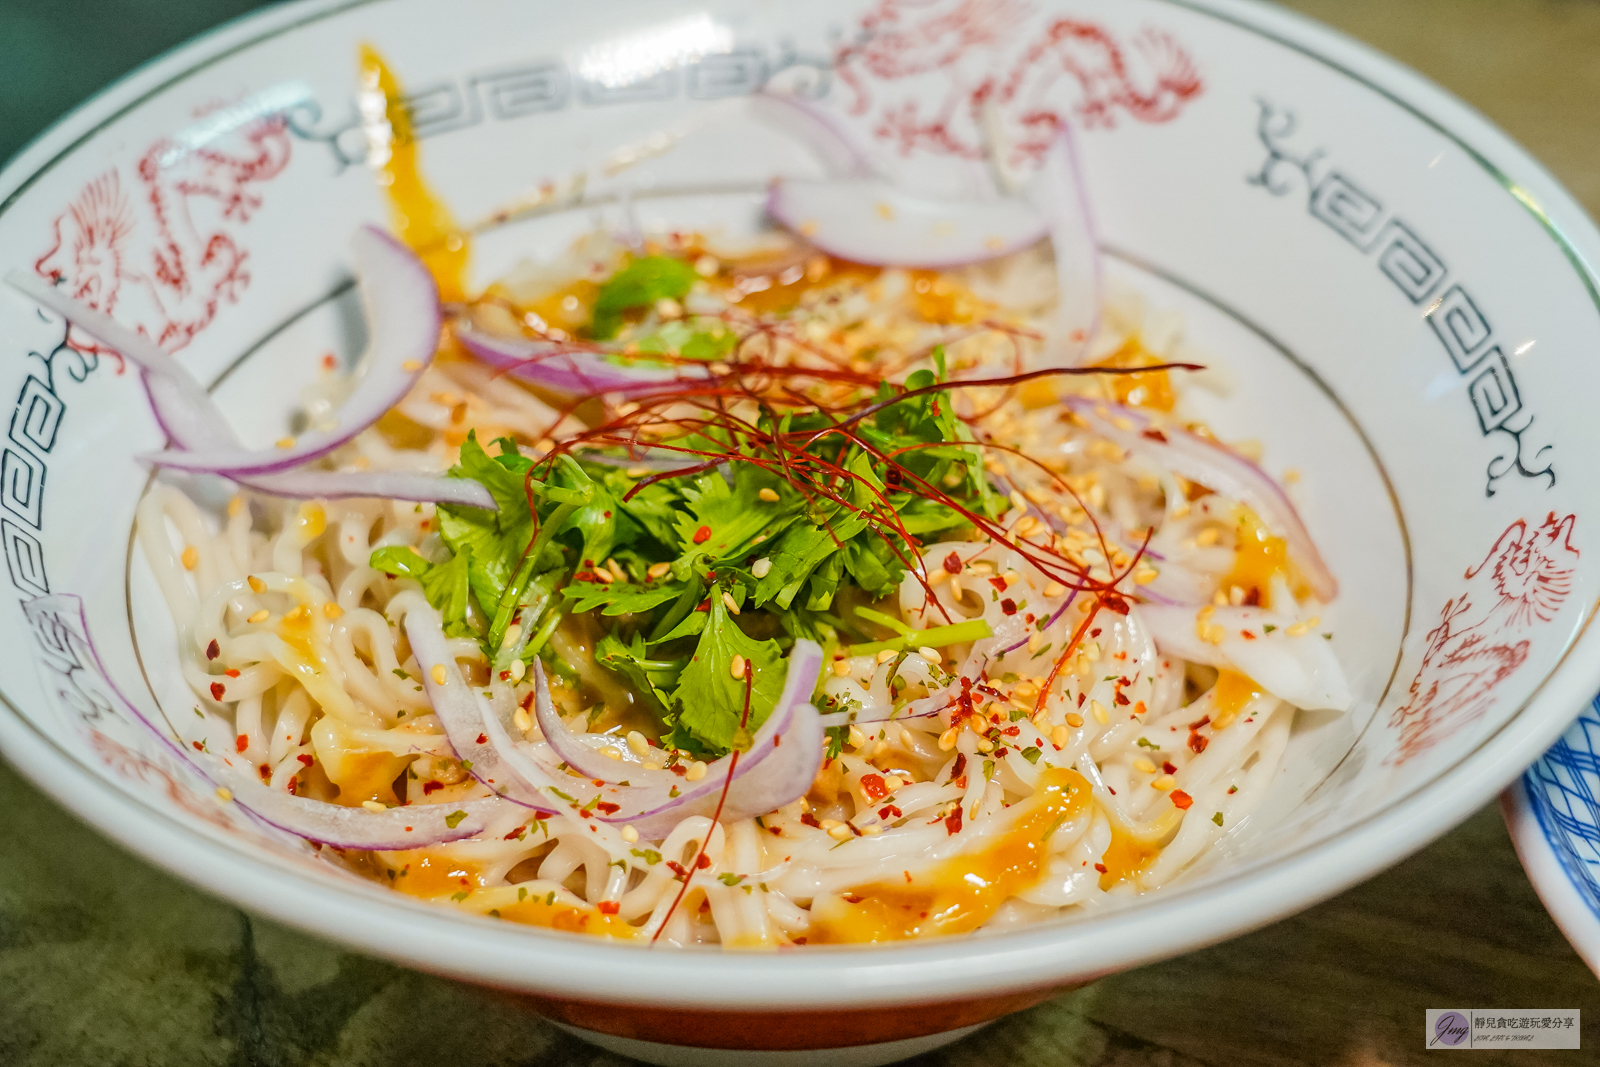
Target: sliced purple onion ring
<point x="459" y="707"/>
<point x="1217" y="468"/>
<point x="62" y="616"/>
<point x="402" y="305"/>
<point x="192" y="420"/>
<point x="787" y="750"/>
<point x="817" y="127"/>
<point x="567" y="368"/>
<point x="1060" y="195"/>
<point x="872" y="220"/>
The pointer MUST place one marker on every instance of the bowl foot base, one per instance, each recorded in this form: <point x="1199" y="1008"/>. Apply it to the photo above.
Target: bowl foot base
<point x="687" y="1056"/>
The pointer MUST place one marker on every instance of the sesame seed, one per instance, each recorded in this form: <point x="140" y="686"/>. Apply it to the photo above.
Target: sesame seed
<point x="695" y="771"/>
<point x="513" y="632"/>
<point x="521" y="717"/>
<point x="1074" y="720"/>
<point x="256" y="584"/>
<point x="1059" y="737"/>
<point x="637" y="472"/>
<point x="1035" y="641"/>
<point x="955" y="587"/>
<point x="235" y="506"/>
<point x="1011" y="577"/>
<point x="411" y="365"/>
<point x="1054" y="589"/>
<point x="947" y="740"/>
<point x="737" y="667"/>
<point x="938" y="576"/>
<point x="931" y="655"/>
<point x="1098" y="709"/>
<point x="616" y="569"/>
<point x="761" y="567"/>
<point x="261" y="616"/>
<point x="658" y="570"/>
<point x="332" y="610"/>
<point x="603" y="576"/>
<point x="373" y="805"/>
<point x="841" y="668"/>
<point x="518" y="670"/>
<point x="886" y="655"/>
<point x="285" y="442"/>
<point x="1208" y="536"/>
<point x="1301" y="628"/>
<point x="224" y="794"/>
<point x="610" y="753"/>
<point x="769" y="495"/>
<point x="637" y="743"/>
<point x="728" y="602"/>
<point x="629" y="834"/>
<point x="857" y="739"/>
<point x="438" y="674"/>
<point x="885" y="211"/>
<point x="1144" y="766"/>
<point x="985" y="745"/>
<point x="191" y="558"/>
<point x="839" y="832"/>
<point x="1163" y="783"/>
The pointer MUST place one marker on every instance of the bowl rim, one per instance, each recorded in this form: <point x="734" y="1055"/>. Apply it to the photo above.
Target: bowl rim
<point x="478" y="950"/>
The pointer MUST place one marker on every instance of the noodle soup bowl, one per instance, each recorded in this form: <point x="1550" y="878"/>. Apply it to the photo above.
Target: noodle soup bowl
<point x="1394" y="300"/>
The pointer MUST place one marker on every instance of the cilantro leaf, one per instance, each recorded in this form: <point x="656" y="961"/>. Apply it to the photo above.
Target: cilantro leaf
<point x="396" y="560"/>
<point x="709" y="702"/>
<point x="638" y="285"/>
<point x="680" y="338"/>
<point x="619" y="598"/>
<point x="733" y="516"/>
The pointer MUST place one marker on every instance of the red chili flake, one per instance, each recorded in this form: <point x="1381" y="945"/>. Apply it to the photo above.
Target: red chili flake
<point x="1008" y="606"/>
<point x="198" y="746"/>
<point x="217" y="690"/>
<point x="702" y="861"/>
<point x="1119" y="698"/>
<point x="1252" y="599"/>
<point x="1029" y="617"/>
<point x="775" y="831"/>
<point x="952" y="563"/>
<point x="908" y="877"/>
<point x="483" y="739"/>
<point x="1181" y="800"/>
<point x="808" y="819"/>
<point x="705" y="605"/>
<point x="1139" y="708"/>
<point x="1012" y="731"/>
<point x="584" y="576"/>
<point x="1155" y="435"/>
<point x="1232" y="789"/>
<point x="1101" y="868"/>
<point x="505" y="676"/>
<point x="329" y="361"/>
<point x="999" y="583"/>
<point x="1198" y="743"/>
<point x="213" y="650"/>
<point x="702" y="535"/>
<point x="873" y="787"/>
<point x="952" y="822"/>
<point x="961" y="766"/>
<point x="231" y="672"/>
<point x="605" y="807"/>
<point x="1167" y="767"/>
<point x="889" y="811"/>
<point x="241" y="743"/>
<point x="305" y="758"/>
<point x="679" y="769"/>
<point x="265" y="770"/>
<point x="1201" y="722"/>
<point x="1247" y="635"/>
<point x="1095" y="632"/>
<point x="1080" y="698"/>
<point x="516" y="835"/>
<point x="429" y="788"/>
<point x="294" y="790"/>
<point x="609" y="907"/>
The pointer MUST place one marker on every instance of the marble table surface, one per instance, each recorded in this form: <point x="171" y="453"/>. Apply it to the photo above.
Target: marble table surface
<point x="105" y="960"/>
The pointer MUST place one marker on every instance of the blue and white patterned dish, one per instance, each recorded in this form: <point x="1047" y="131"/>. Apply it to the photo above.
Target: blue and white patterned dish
<point x="1554" y="817"/>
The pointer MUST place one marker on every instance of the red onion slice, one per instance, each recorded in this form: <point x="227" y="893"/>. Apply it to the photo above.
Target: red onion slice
<point x="1299" y="669"/>
<point x="817" y="127"/>
<point x="458" y="706"/>
<point x="402" y="305"/>
<point x="62" y="616"/>
<point x="1060" y="195"/>
<point x="192" y="420"/>
<point x="787" y="750"/>
<point x="567" y="368"/>
<point x="1217" y="468"/>
<point x="874" y="221"/>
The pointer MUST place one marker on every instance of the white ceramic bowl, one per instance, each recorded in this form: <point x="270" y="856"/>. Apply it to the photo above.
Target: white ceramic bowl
<point x="1401" y="297"/>
<point x="1553" y="814"/>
